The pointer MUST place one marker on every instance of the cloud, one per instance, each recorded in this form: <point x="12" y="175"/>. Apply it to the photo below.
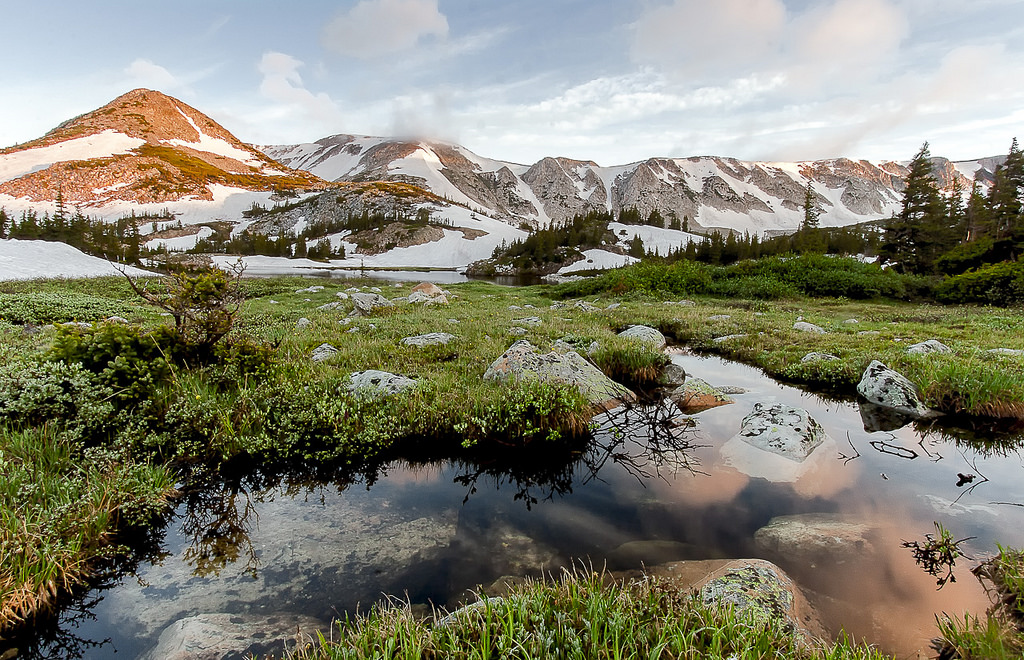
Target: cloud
<point x="374" y="28"/>
<point x="145" y="73"/>
<point x="283" y="84"/>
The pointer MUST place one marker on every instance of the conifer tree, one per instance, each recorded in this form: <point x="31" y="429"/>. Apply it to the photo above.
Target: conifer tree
<point x="910" y="241"/>
<point x="812" y="212"/>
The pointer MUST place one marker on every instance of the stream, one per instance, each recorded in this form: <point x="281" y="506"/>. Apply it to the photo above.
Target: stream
<point x="644" y="494"/>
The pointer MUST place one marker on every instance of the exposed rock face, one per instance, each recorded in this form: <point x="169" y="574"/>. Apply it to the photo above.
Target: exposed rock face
<point x="816" y="538"/>
<point x="429" y="339"/>
<point x="377" y="383"/>
<point x="784" y="430"/>
<point x="696" y="395"/>
<point x="566" y="187"/>
<point x="227" y="636"/>
<point x="884" y="387"/>
<point x="928" y="346"/>
<point x="523" y="361"/>
<point x="645" y="334"/>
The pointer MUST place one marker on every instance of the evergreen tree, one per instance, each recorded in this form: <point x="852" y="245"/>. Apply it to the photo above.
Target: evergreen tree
<point x="910" y="241"/>
<point x="812" y="212"/>
<point x="1006" y="196"/>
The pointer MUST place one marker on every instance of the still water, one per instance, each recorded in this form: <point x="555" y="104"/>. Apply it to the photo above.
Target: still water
<point x="644" y="494"/>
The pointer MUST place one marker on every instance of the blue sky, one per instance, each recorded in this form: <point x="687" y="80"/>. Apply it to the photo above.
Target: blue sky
<point x="613" y="81"/>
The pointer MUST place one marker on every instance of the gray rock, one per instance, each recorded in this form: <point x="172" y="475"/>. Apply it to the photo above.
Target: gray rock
<point x="673" y="375"/>
<point x="724" y="338"/>
<point x="1011" y="352"/>
<point x="376" y="289"/>
<point x="224" y="636"/>
<point x="719" y="317"/>
<point x="316" y="288"/>
<point x="614" y="306"/>
<point x="816" y="538"/>
<point x="731" y="389"/>
<point x="817" y="357"/>
<point x="804" y="326"/>
<point x="696" y="395"/>
<point x="646" y="335"/>
<point x="785" y="430"/>
<point x="323" y="352"/>
<point x="514" y="308"/>
<point x="869" y="333"/>
<point x="331" y="305"/>
<point x="353" y="289"/>
<point x="366" y="303"/>
<point x="429" y="339"/>
<point x="884" y="387"/>
<point x="928" y="346"/>
<point x="763" y="591"/>
<point x="354" y="330"/>
<point x="529" y="320"/>
<point x="117" y="319"/>
<point x="376" y="383"/>
<point x="303" y="323"/>
<point x="516" y="331"/>
<point x="342" y="295"/>
<point x="522" y="361"/>
<point x="76" y="324"/>
<point x="851" y="321"/>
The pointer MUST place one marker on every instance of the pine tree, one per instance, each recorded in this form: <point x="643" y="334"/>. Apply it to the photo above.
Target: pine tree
<point x="910" y="241"/>
<point x="1006" y="196"/>
<point x="812" y="212"/>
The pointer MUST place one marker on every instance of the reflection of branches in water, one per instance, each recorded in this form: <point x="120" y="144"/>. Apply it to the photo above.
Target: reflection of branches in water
<point x="645" y="440"/>
<point x="964" y="479"/>
<point x="218" y="519"/>
<point x="987" y="437"/>
<point x="893" y="450"/>
<point x="938" y="553"/>
<point x="856" y="454"/>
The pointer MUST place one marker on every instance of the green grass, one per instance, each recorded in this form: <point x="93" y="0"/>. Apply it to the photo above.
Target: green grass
<point x="581" y="615"/>
<point x="59" y="507"/>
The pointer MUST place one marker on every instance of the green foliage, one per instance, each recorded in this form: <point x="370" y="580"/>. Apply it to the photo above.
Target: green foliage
<point x="938" y="554"/>
<point x="64" y="395"/>
<point x="59" y="505"/>
<point x="556" y="245"/>
<point x="997" y="284"/>
<point x="56" y="307"/>
<point x="633" y="364"/>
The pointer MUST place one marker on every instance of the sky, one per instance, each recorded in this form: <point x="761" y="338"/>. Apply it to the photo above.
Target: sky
<point x="613" y="81"/>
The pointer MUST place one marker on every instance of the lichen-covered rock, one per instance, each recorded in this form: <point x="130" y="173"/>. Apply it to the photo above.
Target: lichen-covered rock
<point x="645" y="334"/>
<point x="377" y="383"/>
<point x="365" y="304"/>
<point x="522" y="361"/>
<point x="762" y="590"/>
<point x="331" y="305"/>
<point x="928" y="346"/>
<point x="696" y="395"/>
<point x="529" y="320"/>
<point x="719" y="317"/>
<point x="516" y="331"/>
<point x="725" y="338"/>
<point x="673" y="375"/>
<point x="1011" y="352"/>
<point x="429" y="339"/>
<point x="425" y="299"/>
<point x="223" y="636"/>
<point x="817" y="357"/>
<point x="885" y="387"/>
<point x="323" y="352"/>
<point x="804" y="326"/>
<point x="785" y="430"/>
<point x="303" y="323"/>
<point x="811" y="538"/>
<point x="316" y="288"/>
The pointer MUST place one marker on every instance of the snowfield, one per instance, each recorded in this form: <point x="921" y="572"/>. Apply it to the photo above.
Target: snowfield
<point x="598" y="260"/>
<point x="33" y="260"/>
<point x="99" y="145"/>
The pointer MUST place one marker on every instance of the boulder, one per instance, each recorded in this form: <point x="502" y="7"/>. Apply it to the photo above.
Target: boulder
<point x="378" y="383"/>
<point x="422" y="298"/>
<point x="366" y="303"/>
<point x="303" y="323"/>
<point x="342" y="295"/>
<point x="811" y="538"/>
<point x="522" y="361"/>
<point x="928" y="346"/>
<point x="1011" y="352"/>
<point x="719" y="317"/>
<point x="695" y="395"/>
<point x="428" y="288"/>
<point x="817" y="357"/>
<point x="673" y="375"/>
<point x="884" y="387"/>
<point x="762" y="590"/>
<point x="646" y="335"/>
<point x="785" y="430"/>
<point x="804" y="326"/>
<point x="223" y="636"/>
<point x="725" y="338"/>
<point x="323" y="352"/>
<point x="429" y="339"/>
<point x="529" y="320"/>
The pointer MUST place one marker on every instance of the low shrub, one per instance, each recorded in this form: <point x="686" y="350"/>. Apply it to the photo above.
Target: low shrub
<point x="999" y="284"/>
<point x="61" y="394"/>
<point x="57" y="307"/>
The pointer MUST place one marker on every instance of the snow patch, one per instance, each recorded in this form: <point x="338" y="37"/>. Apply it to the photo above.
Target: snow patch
<point x="99" y="145"/>
<point x="598" y="260"/>
<point x="33" y="260"/>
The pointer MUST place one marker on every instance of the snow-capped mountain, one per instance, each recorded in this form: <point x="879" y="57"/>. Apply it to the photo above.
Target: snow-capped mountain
<point x="143" y="148"/>
<point x="710" y="192"/>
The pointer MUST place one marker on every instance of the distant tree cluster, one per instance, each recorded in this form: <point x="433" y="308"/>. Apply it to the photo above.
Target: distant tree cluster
<point x="556" y="244"/>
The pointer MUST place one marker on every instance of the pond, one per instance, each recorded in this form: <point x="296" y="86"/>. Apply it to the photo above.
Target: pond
<point x="644" y="493"/>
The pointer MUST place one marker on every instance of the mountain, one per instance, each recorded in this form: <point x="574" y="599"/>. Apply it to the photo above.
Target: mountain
<point x="710" y="192"/>
<point x="141" y="148"/>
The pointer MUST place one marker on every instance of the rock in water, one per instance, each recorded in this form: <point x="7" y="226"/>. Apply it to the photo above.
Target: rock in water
<point x="522" y="361"/>
<point x="673" y="375"/>
<point x="695" y="395"/>
<point x="884" y="387"/>
<point x="816" y="538"/>
<point x="784" y="430"/>
<point x="222" y="636"/>
<point x="645" y="334"/>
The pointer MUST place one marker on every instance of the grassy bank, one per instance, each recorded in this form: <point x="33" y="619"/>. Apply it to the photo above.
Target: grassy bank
<point x="581" y="615"/>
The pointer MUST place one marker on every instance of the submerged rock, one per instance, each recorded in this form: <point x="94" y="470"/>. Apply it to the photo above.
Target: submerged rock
<point x="810" y="538"/>
<point x="522" y="361"/>
<point x="696" y="395"/>
<point x="646" y="335"/>
<point x="529" y="320"/>
<point x="876" y="418"/>
<point x="885" y="387"/>
<point x="378" y="383"/>
<point x="224" y="636"/>
<point x="429" y="339"/>
<point x="928" y="346"/>
<point x="785" y="430"/>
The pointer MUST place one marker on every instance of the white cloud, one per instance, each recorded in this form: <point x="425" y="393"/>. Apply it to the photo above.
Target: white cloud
<point x="144" y="73"/>
<point x="283" y="84"/>
<point x="374" y="28"/>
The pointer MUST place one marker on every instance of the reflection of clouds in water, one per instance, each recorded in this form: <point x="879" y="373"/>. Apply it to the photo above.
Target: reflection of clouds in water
<point x="421" y="474"/>
<point x="720" y="486"/>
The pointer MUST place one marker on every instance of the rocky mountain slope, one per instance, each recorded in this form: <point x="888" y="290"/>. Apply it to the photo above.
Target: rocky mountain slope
<point x="710" y="192"/>
<point x="141" y="148"/>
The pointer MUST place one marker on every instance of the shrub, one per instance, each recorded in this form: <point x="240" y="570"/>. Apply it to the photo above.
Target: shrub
<point x="999" y="284"/>
<point x="58" y="393"/>
<point x="56" y="307"/>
